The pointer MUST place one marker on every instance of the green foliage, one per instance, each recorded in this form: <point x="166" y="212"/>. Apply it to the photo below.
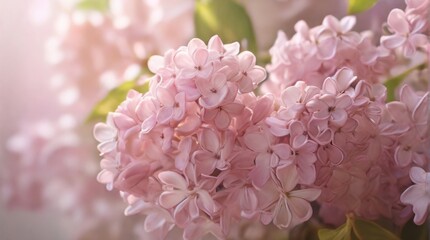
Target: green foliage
<point x="357" y="229"/>
<point x="341" y="233"/>
<point x="395" y="81"/>
<point x="113" y="99"/>
<point x="371" y="231"/>
<point x="358" y="6"/>
<point x="225" y="18"/>
<point x="93" y="5"/>
<point x="412" y="231"/>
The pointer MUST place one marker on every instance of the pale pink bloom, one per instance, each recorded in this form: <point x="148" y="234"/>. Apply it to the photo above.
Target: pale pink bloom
<point x="406" y="35"/>
<point x="336" y="34"/>
<point x="137" y="180"/>
<point x="331" y="108"/>
<point x="106" y="134"/>
<point x="340" y="83"/>
<point x="194" y="61"/>
<point x="222" y="115"/>
<point x="417" y="7"/>
<point x="268" y="153"/>
<point x="410" y="149"/>
<point x="290" y="207"/>
<point x="213" y="91"/>
<point x="173" y="106"/>
<point x="185" y="200"/>
<point x="417" y="195"/>
<point x="215" y="151"/>
<point x="249" y="75"/>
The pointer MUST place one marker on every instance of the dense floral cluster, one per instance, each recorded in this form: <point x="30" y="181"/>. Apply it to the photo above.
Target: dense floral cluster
<point x="394" y="135"/>
<point x="313" y="54"/>
<point x="200" y="151"/>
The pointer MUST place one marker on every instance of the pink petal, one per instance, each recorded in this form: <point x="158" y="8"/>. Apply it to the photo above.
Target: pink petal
<point x="205" y="162"/>
<point x="234" y="108"/>
<point x="339" y="117"/>
<point x="164" y="115"/>
<point x="288" y="177"/>
<point x="173" y="179"/>
<point x="209" y="140"/>
<point x="332" y="23"/>
<point x="397" y="21"/>
<point x="393" y="41"/>
<point x="248" y="199"/>
<point x="309" y="194"/>
<point x="327" y="48"/>
<point x="418" y="40"/>
<point x="106" y="147"/>
<point x="256" y="141"/>
<point x="402" y="156"/>
<point x="283" y="150"/>
<point x="261" y="172"/>
<point x="206" y="202"/>
<point x="103" y="132"/>
<point x="213" y="100"/>
<point x="222" y="120"/>
<point x="418" y="175"/>
<point x="155" y="63"/>
<point x="153" y="222"/>
<point x="257" y="74"/>
<point x="343" y="101"/>
<point x="348" y="23"/>
<point x="300" y="208"/>
<point x="183" y="60"/>
<point x="105" y="176"/>
<point x="193" y="208"/>
<point x="246" y="60"/>
<point x="420" y="209"/>
<point x="283" y="215"/>
<point x="170" y="199"/>
<point x="290" y="96"/>
<point x="200" y="57"/>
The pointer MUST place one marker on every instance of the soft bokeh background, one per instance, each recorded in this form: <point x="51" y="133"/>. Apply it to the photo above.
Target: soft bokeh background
<point x="25" y="92"/>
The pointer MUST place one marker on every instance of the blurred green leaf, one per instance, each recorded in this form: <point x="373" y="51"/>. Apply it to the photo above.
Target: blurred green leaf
<point x="413" y="231"/>
<point x="357" y="229"/>
<point x="371" y="231"/>
<point x="341" y="233"/>
<point x="113" y="99"/>
<point x="395" y="81"/>
<point x="358" y="6"/>
<point x="93" y="5"/>
<point x="225" y="18"/>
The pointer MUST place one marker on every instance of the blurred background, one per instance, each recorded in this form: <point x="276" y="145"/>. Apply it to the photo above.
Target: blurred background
<point x="29" y="83"/>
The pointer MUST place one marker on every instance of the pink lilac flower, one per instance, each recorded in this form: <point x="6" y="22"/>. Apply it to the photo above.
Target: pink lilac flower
<point x="417" y="194"/>
<point x="169" y="147"/>
<point x="407" y="35"/>
<point x="205" y="150"/>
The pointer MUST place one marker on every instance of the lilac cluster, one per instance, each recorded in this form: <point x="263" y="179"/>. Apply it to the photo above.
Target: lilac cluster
<point x="200" y="151"/>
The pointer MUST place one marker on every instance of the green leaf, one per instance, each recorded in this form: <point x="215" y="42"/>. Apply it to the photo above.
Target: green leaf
<point x="371" y="231"/>
<point x="93" y="5"/>
<point x="358" y="6"/>
<point x="113" y="99"/>
<point x="225" y="18"/>
<point x="341" y="233"/>
<point x="412" y="231"/>
<point x="395" y="81"/>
